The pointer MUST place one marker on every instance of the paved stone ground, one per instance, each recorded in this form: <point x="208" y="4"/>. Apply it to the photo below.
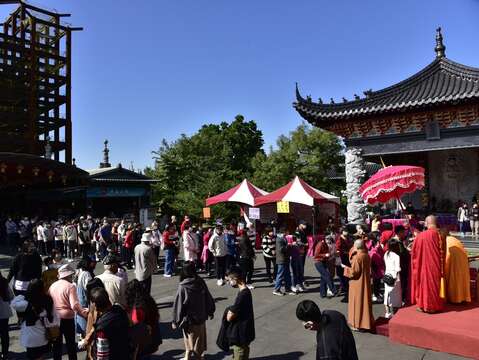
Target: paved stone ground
<point x="279" y="335"/>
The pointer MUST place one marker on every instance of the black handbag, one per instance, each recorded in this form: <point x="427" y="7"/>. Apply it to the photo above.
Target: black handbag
<point x="389" y="280"/>
<point x="222" y="340"/>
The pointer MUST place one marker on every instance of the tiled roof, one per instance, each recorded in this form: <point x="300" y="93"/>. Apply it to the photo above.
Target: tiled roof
<point x="441" y="82"/>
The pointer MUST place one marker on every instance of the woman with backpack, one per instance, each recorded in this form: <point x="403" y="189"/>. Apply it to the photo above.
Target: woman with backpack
<point x="143" y="312"/>
<point x="192" y="307"/>
<point x="40" y="323"/>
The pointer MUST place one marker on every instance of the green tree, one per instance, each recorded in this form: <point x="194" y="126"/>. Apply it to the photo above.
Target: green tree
<point x="209" y="162"/>
<point x="308" y="152"/>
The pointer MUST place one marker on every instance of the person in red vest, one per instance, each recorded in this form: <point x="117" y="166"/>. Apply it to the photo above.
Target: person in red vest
<point x="428" y="255"/>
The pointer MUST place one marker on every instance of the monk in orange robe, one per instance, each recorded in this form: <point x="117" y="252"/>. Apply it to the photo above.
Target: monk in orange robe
<point x="457" y="272"/>
<point x="360" y="314"/>
<point x="427" y="260"/>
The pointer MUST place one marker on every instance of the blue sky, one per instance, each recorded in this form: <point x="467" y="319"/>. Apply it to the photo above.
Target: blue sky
<point x="146" y="70"/>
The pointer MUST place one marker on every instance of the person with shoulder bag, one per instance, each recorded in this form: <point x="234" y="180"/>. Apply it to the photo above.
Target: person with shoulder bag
<point x="392" y="279"/>
<point x="40" y="324"/>
<point x="65" y="298"/>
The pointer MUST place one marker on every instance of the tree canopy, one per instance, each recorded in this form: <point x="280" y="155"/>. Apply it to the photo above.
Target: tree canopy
<point x="212" y="160"/>
<point x="217" y="157"/>
<point x="307" y="152"/>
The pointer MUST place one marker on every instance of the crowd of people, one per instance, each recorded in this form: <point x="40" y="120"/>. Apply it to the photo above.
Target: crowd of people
<point x="55" y="301"/>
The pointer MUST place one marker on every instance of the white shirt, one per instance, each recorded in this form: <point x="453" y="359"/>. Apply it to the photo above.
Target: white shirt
<point x="114" y="286"/>
<point x="189" y="246"/>
<point x="393" y="264"/>
<point x="121" y="231"/>
<point x="217" y="245"/>
<point x="463" y="215"/>
<point x="35" y="335"/>
<point x="40" y="233"/>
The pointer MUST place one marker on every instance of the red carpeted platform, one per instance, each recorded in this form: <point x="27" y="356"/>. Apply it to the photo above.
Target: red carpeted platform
<point x="454" y="331"/>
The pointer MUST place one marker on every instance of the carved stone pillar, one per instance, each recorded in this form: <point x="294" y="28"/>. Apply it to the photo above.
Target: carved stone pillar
<point x="355" y="173"/>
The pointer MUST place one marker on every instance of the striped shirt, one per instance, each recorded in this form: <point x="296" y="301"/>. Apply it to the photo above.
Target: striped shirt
<point x="269" y="246"/>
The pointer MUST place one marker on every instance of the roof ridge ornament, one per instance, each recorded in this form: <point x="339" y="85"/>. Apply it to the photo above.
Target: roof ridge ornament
<point x="368" y="93"/>
<point x="440" y="48"/>
<point x="298" y="94"/>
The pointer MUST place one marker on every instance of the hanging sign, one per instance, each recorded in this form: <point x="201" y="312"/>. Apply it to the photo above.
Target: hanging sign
<point x="254" y="213"/>
<point x="282" y="207"/>
<point x="207" y="213"/>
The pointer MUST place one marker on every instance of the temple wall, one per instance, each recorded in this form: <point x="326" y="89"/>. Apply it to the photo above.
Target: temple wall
<point x="453" y="177"/>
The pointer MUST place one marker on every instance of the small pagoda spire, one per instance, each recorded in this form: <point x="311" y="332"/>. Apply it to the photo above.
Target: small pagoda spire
<point x="106" y="159"/>
<point x="440" y="48"/>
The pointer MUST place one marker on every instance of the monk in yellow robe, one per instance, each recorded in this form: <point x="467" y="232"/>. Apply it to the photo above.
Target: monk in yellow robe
<point x="457" y="272"/>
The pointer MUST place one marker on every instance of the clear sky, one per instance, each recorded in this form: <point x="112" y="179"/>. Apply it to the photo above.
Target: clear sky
<point x="145" y="70"/>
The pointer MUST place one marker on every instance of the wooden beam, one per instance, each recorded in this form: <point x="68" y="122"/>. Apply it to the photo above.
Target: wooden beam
<point x="46" y="12"/>
<point x="59" y="26"/>
<point x="68" y="107"/>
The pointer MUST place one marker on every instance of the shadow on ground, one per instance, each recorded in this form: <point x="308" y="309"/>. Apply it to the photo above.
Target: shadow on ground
<point x="289" y="356"/>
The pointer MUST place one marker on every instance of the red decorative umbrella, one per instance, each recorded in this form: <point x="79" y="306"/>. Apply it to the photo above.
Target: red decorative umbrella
<point x="392" y="182"/>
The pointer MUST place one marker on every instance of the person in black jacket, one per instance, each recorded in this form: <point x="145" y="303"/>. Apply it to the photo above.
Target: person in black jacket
<point x="246" y="258"/>
<point x="26" y="266"/>
<point x="240" y="315"/>
<point x="112" y="340"/>
<point x="334" y="339"/>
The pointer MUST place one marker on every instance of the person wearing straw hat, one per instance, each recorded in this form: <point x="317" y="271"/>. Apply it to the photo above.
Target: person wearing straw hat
<point x="65" y="300"/>
<point x="145" y="260"/>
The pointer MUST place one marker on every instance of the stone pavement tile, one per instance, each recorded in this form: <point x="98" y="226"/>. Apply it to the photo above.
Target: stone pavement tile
<point x="279" y="335"/>
<point x="434" y="355"/>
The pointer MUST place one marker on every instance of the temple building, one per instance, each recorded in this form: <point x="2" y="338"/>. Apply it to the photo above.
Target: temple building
<point x="37" y="170"/>
<point x="114" y="191"/>
<point x="431" y="119"/>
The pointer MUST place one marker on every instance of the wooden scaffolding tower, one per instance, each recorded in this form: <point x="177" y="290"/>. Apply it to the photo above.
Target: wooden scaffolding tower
<point x="35" y="82"/>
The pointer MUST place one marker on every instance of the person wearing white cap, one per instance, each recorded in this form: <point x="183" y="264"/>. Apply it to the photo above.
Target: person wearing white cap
<point x="145" y="260"/>
<point x="65" y="300"/>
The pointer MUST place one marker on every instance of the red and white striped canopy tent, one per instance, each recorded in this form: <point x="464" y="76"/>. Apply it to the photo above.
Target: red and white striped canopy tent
<point x="244" y="193"/>
<point x="297" y="191"/>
